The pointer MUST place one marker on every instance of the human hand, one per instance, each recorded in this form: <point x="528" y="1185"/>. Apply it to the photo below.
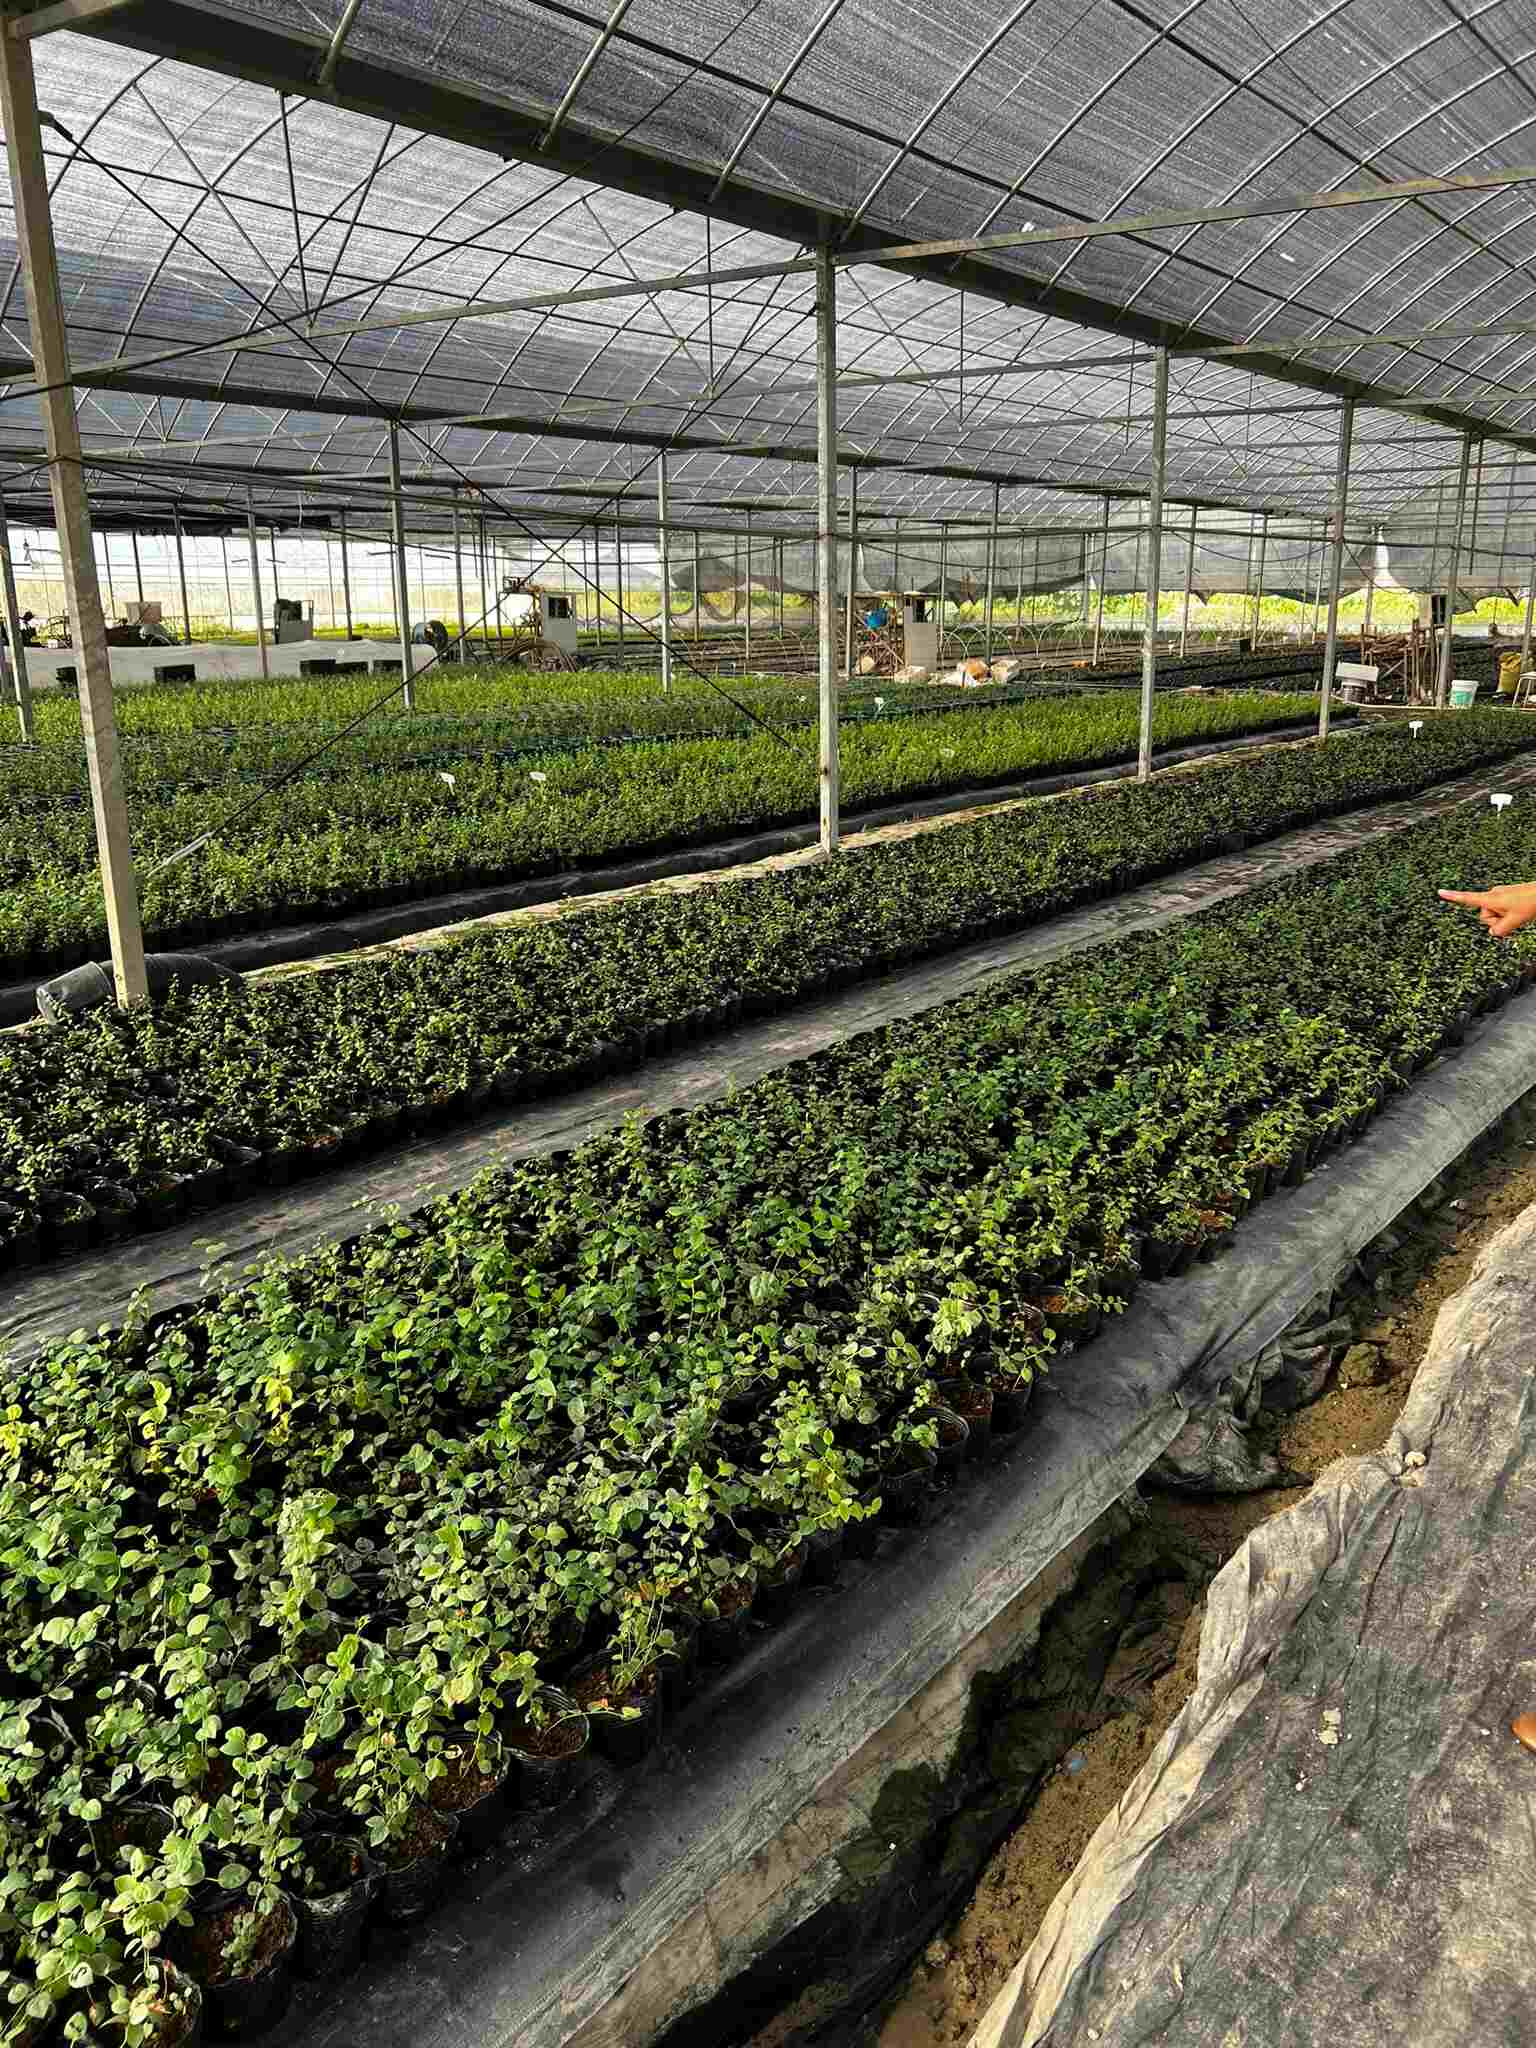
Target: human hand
<point x="1504" y="911"/>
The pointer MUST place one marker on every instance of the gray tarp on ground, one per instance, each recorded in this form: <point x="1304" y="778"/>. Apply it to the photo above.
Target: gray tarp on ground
<point x="1261" y="1884"/>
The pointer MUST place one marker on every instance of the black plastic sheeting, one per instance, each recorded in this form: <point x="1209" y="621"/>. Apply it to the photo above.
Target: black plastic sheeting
<point x="174" y="1265"/>
<point x="1332" y="1844"/>
<point x="541" y="1936"/>
<point x="428" y="913"/>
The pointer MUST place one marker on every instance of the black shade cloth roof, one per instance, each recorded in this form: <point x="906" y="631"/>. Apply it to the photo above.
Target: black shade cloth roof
<point x="195" y="198"/>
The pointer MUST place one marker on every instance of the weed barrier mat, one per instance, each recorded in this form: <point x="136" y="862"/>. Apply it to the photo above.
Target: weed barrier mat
<point x="1332" y="1842"/>
<point x="177" y="1265"/>
<point x="311" y="941"/>
<point x="665" y="1867"/>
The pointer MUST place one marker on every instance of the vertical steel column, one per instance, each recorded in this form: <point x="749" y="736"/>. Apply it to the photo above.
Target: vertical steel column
<point x="106" y="556"/>
<point x="138" y="572"/>
<point x="1530" y="607"/>
<point x="698" y="594"/>
<point x="181" y="577"/>
<point x="22" y="685"/>
<point x="1453" y="571"/>
<point x="826" y="542"/>
<point x="1258" y="591"/>
<point x="997" y="491"/>
<point x="666" y="572"/>
<point x="458" y="572"/>
<point x="853" y="573"/>
<point x="229" y="588"/>
<point x="747" y="658"/>
<point x="1336" y="565"/>
<point x="346" y="577"/>
<point x="943" y="583"/>
<point x="1098" y="617"/>
<point x="1189" y="581"/>
<point x="618" y="556"/>
<point x="1018" y="595"/>
<point x="1082" y="638"/>
<point x="261" y="623"/>
<point x="402" y="586"/>
<point x="1154" y="562"/>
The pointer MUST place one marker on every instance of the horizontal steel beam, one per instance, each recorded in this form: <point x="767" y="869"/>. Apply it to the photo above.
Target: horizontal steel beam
<point x="78" y="14"/>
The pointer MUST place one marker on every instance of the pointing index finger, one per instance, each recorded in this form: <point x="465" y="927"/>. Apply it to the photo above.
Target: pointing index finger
<point x="1471" y="896"/>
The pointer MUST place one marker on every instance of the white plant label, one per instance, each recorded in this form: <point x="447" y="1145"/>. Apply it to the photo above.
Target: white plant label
<point x="879" y="703"/>
<point x="444" y="776"/>
<point x="537" y="775"/>
<point x="1415" y="726"/>
<point x="1501" y="803"/>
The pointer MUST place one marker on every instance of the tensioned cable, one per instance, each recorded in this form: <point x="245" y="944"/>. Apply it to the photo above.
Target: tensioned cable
<point x="408" y="673"/>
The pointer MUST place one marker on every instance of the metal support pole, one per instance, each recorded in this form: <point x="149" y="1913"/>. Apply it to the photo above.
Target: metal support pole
<point x="458" y="572"/>
<point x="991" y="565"/>
<point x="1336" y="565"/>
<point x="402" y="586"/>
<point x="1098" y="617"/>
<point x="1154" y="562"/>
<point x="826" y="542"/>
<point x="1082" y="637"/>
<point x="23" y="685"/>
<point x="229" y="588"/>
<point x="181" y="577"/>
<point x="261" y="622"/>
<point x="106" y="556"/>
<point x="346" y="577"/>
<point x="853" y="573"/>
<point x="1453" y="571"/>
<point x="138" y="572"/>
<point x="1258" y="591"/>
<point x="1530" y="607"/>
<point x="1189" y="581"/>
<point x="943" y="582"/>
<point x="666" y="573"/>
<point x="72" y="516"/>
<point x="698" y="595"/>
<point x="748" y="655"/>
<point x="618" y="573"/>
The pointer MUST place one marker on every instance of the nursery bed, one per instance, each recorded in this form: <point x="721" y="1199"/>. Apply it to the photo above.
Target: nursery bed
<point x="280" y="944"/>
<point x="313" y="848"/>
<point x="655" y="1890"/>
<point x="1333" y="1839"/>
<point x="177" y="1264"/>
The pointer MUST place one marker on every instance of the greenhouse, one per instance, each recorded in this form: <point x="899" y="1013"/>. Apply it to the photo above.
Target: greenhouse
<point x="766" y="1033"/>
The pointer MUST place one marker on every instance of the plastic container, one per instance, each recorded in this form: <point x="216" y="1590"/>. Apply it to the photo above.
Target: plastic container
<point x="547" y="1773"/>
<point x="242" y="2006"/>
<point x="1463" y="695"/>
<point x="331" y="1926"/>
<point x="409" y="1891"/>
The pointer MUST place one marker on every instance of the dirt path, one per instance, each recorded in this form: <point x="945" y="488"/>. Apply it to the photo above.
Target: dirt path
<point x="944" y="1999"/>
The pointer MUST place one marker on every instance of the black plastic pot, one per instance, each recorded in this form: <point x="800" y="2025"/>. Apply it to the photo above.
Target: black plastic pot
<point x="487" y="1818"/>
<point x="905" y="1490"/>
<point x="331" y="1927"/>
<point x="624" y="1738"/>
<point x="680" y="1665"/>
<point x="250" y="2005"/>
<point x="861" y="1538"/>
<point x="1010" y="1407"/>
<point x="408" y="1893"/>
<point x="954" y="1437"/>
<point x="973" y="1403"/>
<point x="824" y="1555"/>
<point x="723" y="1636"/>
<point x="546" y="1781"/>
<point x="776" y="1589"/>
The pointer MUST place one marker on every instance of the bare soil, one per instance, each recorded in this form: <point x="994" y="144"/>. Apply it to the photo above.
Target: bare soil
<point x="945" y="1997"/>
